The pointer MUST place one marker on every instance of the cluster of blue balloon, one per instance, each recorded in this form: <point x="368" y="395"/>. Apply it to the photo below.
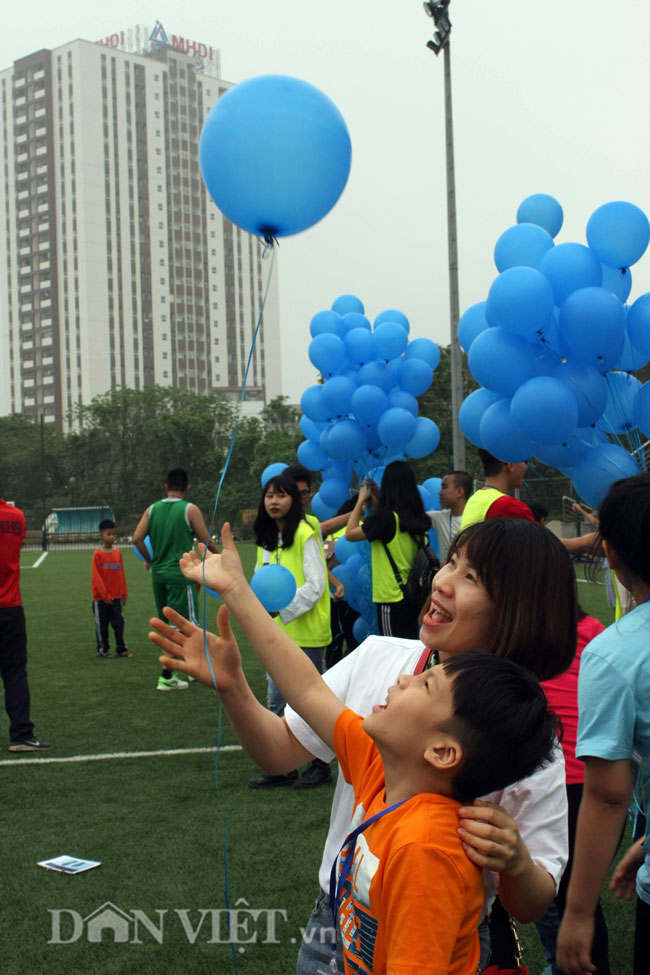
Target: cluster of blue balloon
<point x="554" y="346"/>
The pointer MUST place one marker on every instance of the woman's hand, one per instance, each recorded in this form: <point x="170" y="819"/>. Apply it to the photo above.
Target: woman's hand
<point x="491" y="838"/>
<point x="623" y="881"/>
<point x="183" y="647"/>
<point x="219" y="572"/>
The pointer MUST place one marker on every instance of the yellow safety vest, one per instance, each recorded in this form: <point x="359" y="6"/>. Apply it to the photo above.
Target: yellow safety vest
<point x="478" y="506"/>
<point x="403" y="547"/>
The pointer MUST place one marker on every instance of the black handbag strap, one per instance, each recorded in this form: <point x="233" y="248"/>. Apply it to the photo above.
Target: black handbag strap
<point x="398" y="575"/>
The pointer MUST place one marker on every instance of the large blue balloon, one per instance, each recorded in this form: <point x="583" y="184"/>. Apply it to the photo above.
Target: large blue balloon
<point x="592" y="327"/>
<point x="311" y="455"/>
<point x="273" y="470"/>
<point x="392" y="315"/>
<point x="502" y="437"/>
<point x="433" y="485"/>
<point x="618" y="233"/>
<point x="542" y="209"/>
<point x="425" y="439"/>
<point x="359" y="346"/>
<point x="501" y="360"/>
<point x="545" y="410"/>
<point x="327" y="321"/>
<point x="375" y="374"/>
<point x="638" y="324"/>
<point x="522" y="245"/>
<point x="632" y="359"/>
<point x="618" y="280"/>
<point x="327" y="353"/>
<point x="274" y="586"/>
<point x="569" y="267"/>
<point x="396" y="427"/>
<point x="321" y="510"/>
<point x="619" y="413"/>
<point x="347" y="303"/>
<point x="642" y="409"/>
<point x="414" y="376"/>
<point x="587" y="385"/>
<point x="397" y="397"/>
<point x="599" y="468"/>
<point x="368" y="403"/>
<point x="472" y="323"/>
<point x="338" y="393"/>
<point x="148" y="546"/>
<point x="423" y="349"/>
<point x="275" y="155"/>
<point x="521" y="300"/>
<point x="309" y="429"/>
<point x="346" y="440"/>
<point x="313" y="405"/>
<point x="344" y="550"/>
<point x="333" y="493"/>
<point x="471" y="413"/>
<point x="389" y="340"/>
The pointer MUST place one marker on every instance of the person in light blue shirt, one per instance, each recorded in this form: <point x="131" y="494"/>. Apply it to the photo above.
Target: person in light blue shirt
<point x="614" y="735"/>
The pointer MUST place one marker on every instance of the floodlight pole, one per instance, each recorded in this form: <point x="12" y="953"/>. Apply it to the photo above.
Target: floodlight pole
<point x="438" y="11"/>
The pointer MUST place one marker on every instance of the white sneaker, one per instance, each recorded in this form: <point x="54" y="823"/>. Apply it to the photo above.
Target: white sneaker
<point x="171" y="684"/>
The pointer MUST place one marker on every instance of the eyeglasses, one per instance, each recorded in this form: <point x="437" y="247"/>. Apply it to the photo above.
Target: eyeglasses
<point x="304" y="494"/>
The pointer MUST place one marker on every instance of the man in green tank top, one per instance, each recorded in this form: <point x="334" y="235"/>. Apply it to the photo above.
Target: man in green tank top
<point x="172" y="525"/>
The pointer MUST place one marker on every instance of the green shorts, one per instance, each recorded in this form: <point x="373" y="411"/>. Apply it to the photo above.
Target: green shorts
<point x="180" y="596"/>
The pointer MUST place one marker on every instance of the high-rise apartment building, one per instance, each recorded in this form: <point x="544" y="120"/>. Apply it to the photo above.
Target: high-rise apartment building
<point x="116" y="267"/>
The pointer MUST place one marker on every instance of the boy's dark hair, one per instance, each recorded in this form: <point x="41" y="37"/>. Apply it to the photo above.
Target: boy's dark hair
<point x="298" y="473"/>
<point x="530" y="579"/>
<point x="491" y="465"/>
<point x="538" y="509"/>
<point x="501" y="720"/>
<point x="624" y="522"/>
<point x="106" y="524"/>
<point x="177" y="479"/>
<point x="399" y="492"/>
<point x="464" y="481"/>
<point x="265" y="528"/>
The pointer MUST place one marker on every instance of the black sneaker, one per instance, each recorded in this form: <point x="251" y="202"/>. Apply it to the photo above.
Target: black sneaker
<point x="318" y="773"/>
<point x="273" y="781"/>
<point x="29" y="745"/>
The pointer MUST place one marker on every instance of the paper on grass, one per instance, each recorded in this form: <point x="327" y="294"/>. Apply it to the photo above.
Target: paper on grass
<point x="65" y="864"/>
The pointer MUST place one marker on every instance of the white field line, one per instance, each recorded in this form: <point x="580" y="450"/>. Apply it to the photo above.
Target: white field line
<point x="117" y="755"/>
<point x="38" y="561"/>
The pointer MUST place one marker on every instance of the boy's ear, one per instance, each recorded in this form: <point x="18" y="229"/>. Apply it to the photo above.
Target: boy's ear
<point x="444" y="754"/>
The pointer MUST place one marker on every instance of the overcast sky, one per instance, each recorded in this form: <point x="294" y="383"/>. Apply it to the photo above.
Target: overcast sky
<point x="548" y="97"/>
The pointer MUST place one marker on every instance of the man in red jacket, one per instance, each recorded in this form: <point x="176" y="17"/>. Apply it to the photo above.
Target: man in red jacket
<point x="13" y="636"/>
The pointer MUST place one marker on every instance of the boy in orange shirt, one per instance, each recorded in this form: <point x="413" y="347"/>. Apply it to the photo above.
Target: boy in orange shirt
<point x="405" y="897"/>
<point x="108" y="588"/>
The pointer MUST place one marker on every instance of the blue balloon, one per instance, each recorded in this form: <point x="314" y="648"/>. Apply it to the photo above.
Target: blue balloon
<point x="344" y="550"/>
<point x="545" y="410"/>
<point x="333" y="493"/>
<point x="423" y="349"/>
<point x="274" y="586"/>
<point x="313" y="404"/>
<point x="396" y="427"/>
<point x="638" y="324"/>
<point x="592" y="327"/>
<point x="642" y="409"/>
<point x="327" y="321"/>
<point x="327" y="353"/>
<point x="618" y="233"/>
<point x="338" y="393"/>
<point x="618" y="280"/>
<point x="542" y="209"/>
<point x="368" y="403"/>
<point x="414" y="376"/>
<point x="347" y="303"/>
<point x="587" y="385"/>
<point x="311" y="455"/>
<point x="631" y="359"/>
<point x="273" y="470"/>
<point x="472" y="322"/>
<point x="570" y="267"/>
<point x="339" y="469"/>
<point x="471" y="413"/>
<point x="622" y="391"/>
<point x="148" y="546"/>
<point x="362" y="629"/>
<point x="393" y="315"/>
<point x="425" y="439"/>
<point x="521" y="300"/>
<point x="375" y="374"/>
<point x="523" y="245"/>
<point x="321" y="510"/>
<point x="309" y="429"/>
<point x="501" y="360"/>
<point x="359" y="346"/>
<point x="389" y="340"/>
<point x="275" y="155"/>
<point x="502" y="437"/>
<point x="397" y="397"/>
<point x="354" y="319"/>
<point x="433" y="485"/>
<point x="595" y="473"/>
<point x="346" y="440"/>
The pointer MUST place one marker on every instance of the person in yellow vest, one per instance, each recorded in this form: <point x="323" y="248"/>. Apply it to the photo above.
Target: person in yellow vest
<point x="285" y="538"/>
<point x="399" y="519"/>
<point x="492" y="500"/>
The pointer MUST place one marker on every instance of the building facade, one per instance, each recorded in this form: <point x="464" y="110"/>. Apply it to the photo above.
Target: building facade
<point x="117" y="268"/>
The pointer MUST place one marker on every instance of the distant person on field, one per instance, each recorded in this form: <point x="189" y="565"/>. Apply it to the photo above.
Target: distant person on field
<point x="13" y="635"/>
<point x="172" y="524"/>
<point x="454" y="493"/>
<point x="493" y="500"/>
<point x="540" y="512"/>
<point x="108" y="589"/>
